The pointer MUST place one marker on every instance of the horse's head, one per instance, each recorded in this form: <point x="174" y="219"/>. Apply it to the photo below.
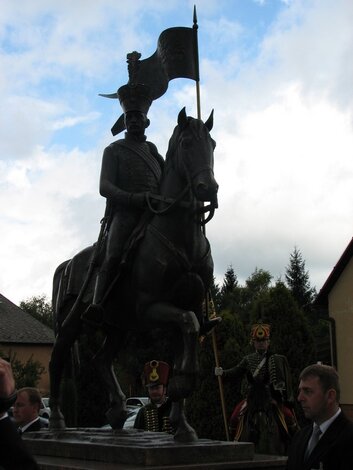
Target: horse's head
<point x="191" y="149"/>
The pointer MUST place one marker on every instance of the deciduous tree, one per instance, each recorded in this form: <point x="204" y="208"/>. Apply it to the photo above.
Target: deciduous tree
<point x="40" y="308"/>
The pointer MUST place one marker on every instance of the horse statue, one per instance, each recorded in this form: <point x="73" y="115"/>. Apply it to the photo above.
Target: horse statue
<point x="263" y="422"/>
<point x="164" y="282"/>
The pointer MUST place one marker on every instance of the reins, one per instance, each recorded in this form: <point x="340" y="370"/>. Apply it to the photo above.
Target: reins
<point x="178" y="201"/>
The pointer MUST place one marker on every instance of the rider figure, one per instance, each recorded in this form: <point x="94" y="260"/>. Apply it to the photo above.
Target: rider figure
<point x="131" y="167"/>
<point x="264" y="367"/>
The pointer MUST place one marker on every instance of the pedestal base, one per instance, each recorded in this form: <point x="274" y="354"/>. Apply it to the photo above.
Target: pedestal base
<point x="105" y="449"/>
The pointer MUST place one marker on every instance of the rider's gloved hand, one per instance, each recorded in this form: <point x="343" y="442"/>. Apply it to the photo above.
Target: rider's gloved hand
<point x="218" y="371"/>
<point x="138" y="200"/>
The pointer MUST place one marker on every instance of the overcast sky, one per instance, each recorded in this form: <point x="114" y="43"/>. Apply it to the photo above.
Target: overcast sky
<point x="279" y="76"/>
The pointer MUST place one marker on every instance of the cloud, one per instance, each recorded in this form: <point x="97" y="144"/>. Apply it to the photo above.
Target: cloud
<point x="283" y="126"/>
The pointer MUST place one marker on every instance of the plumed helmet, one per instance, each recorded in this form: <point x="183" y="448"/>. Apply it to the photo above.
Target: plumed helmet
<point x="135" y="98"/>
<point x="156" y="373"/>
<point x="260" y="331"/>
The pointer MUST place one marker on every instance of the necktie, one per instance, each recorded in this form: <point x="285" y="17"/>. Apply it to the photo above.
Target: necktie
<point x="314" y="439"/>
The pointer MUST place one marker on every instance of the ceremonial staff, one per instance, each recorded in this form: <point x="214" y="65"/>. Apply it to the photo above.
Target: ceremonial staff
<point x="208" y="300"/>
<point x="196" y="58"/>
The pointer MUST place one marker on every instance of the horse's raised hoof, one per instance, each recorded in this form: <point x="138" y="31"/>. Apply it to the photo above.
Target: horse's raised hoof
<point x="116" y="417"/>
<point x="93" y="315"/>
<point x="181" y="386"/>
<point x="56" y="420"/>
<point x="186" y="434"/>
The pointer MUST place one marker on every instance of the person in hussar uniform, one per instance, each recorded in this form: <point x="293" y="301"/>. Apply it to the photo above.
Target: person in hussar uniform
<point x="131" y="170"/>
<point x="155" y="415"/>
<point x="263" y="366"/>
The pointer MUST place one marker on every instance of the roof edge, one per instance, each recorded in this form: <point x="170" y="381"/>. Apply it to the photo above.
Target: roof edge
<point x="322" y="296"/>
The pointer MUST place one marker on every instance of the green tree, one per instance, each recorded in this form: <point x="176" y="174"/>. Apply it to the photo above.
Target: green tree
<point x="26" y="374"/>
<point x="227" y="291"/>
<point x="216" y="294"/>
<point x="257" y="284"/>
<point x="230" y="281"/>
<point x="40" y="308"/>
<point x="297" y="279"/>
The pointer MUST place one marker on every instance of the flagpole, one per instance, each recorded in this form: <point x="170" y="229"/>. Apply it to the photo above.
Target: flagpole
<point x="196" y="58"/>
<point x="198" y="104"/>
<point x="216" y="358"/>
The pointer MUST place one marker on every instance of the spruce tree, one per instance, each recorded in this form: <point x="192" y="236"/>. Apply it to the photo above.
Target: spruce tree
<point x="297" y="279"/>
<point x="230" y="283"/>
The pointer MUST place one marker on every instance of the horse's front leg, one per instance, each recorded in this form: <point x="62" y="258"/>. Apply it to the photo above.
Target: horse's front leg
<point x="186" y="366"/>
<point x="103" y="360"/>
<point x="183" y="431"/>
<point x="186" y="326"/>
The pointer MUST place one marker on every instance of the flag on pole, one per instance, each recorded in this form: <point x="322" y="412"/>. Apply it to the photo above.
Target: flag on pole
<point x="175" y="57"/>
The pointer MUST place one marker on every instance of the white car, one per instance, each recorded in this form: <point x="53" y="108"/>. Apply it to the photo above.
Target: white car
<point x="44" y="411"/>
<point x="137" y="401"/>
<point x="130" y="420"/>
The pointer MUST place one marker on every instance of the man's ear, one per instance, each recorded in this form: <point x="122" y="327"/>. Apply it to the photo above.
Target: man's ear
<point x="332" y="395"/>
<point x="147" y="123"/>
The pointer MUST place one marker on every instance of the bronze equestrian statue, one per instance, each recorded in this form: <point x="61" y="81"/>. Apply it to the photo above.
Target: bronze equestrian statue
<point x="160" y="276"/>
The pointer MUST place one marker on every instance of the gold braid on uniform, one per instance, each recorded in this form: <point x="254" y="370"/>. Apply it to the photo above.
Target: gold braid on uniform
<point x="166" y="426"/>
<point x="273" y="370"/>
<point x="151" y="419"/>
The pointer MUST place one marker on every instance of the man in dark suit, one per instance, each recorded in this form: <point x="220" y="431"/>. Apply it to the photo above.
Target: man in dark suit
<point x="26" y="410"/>
<point x="327" y="443"/>
<point x="13" y="454"/>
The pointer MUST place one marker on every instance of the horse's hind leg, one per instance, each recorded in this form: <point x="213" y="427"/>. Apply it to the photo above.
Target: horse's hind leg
<point x="103" y="360"/>
<point x="59" y="357"/>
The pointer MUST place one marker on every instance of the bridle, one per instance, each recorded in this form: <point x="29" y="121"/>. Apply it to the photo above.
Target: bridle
<point x="178" y="200"/>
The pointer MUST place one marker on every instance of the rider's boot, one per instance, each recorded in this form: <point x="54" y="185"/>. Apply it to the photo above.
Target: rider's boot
<point x="207" y="325"/>
<point x="93" y="315"/>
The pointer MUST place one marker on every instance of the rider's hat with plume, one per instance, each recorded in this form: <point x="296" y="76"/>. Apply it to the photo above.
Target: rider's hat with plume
<point x="133" y="96"/>
<point x="260" y="331"/>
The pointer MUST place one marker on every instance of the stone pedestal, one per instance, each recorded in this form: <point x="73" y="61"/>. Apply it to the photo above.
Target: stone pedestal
<point x="104" y="449"/>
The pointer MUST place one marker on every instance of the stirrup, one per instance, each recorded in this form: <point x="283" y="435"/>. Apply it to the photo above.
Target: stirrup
<point x="208" y="325"/>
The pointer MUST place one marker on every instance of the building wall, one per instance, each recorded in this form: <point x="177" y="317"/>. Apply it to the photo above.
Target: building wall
<point x="40" y="353"/>
<point x="340" y="304"/>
